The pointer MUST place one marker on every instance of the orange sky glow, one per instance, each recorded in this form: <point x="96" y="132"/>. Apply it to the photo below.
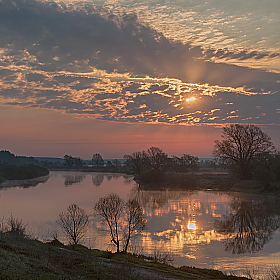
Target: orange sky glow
<point x="135" y="74"/>
<point x="41" y="132"/>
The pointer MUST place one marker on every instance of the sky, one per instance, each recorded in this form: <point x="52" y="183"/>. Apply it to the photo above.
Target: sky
<point x="119" y="76"/>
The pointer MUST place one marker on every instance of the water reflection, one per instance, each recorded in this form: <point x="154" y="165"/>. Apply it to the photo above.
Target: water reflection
<point x="178" y="222"/>
<point x="197" y="226"/>
<point x="109" y="177"/>
<point x="29" y="183"/>
<point x="250" y="225"/>
<point x="157" y="199"/>
<point x="98" y="178"/>
<point x="128" y="179"/>
<point x="73" y="179"/>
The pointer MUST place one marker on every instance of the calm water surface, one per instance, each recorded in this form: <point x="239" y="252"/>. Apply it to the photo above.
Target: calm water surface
<point x="205" y="229"/>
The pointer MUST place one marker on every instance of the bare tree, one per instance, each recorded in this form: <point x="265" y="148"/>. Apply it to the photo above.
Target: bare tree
<point x="136" y="221"/>
<point x="158" y="159"/>
<point x="123" y="219"/>
<point x="154" y="158"/>
<point x="241" y="145"/>
<point x="137" y="161"/>
<point x="110" y="208"/>
<point x="74" y="223"/>
<point x="184" y="163"/>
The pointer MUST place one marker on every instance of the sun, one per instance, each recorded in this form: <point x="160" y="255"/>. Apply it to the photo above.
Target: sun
<point x="190" y="99"/>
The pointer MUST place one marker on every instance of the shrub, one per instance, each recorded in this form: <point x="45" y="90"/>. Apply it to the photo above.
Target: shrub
<point x="74" y="223"/>
<point x="16" y="226"/>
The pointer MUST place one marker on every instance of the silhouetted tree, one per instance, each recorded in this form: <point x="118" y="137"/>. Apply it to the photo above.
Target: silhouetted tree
<point x="175" y="164"/>
<point x="267" y="170"/>
<point x="124" y="220"/>
<point x="157" y="159"/>
<point x="97" y="160"/>
<point x="152" y="159"/>
<point x="110" y="209"/>
<point x="136" y="162"/>
<point x="184" y="163"/>
<point x="241" y="145"/>
<point x="16" y="226"/>
<point x="74" y="223"/>
<point x="78" y="162"/>
<point x="69" y="161"/>
<point x="135" y="221"/>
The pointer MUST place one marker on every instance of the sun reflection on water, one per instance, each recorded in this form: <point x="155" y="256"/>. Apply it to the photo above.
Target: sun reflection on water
<point x="190" y="99"/>
<point x="192" y="225"/>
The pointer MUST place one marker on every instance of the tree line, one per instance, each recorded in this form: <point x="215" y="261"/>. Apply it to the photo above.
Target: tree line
<point x="244" y="150"/>
<point x="153" y="165"/>
<point x="149" y="165"/>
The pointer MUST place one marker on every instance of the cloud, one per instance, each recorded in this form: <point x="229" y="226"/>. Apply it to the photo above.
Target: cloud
<point x="87" y="61"/>
<point x="240" y="55"/>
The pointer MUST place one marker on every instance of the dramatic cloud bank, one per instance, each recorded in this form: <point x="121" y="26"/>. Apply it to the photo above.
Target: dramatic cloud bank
<point x="93" y="62"/>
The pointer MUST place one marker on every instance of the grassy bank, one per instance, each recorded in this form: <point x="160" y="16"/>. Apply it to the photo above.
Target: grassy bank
<point x="207" y="180"/>
<point x="25" y="258"/>
<point x="227" y="182"/>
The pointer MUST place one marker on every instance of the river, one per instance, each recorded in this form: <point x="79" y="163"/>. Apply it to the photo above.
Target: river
<point x="226" y="231"/>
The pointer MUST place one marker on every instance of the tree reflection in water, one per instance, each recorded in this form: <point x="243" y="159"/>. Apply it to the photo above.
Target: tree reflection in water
<point x="127" y="179"/>
<point x="69" y="180"/>
<point x="250" y="226"/>
<point x="28" y="183"/>
<point x="97" y="179"/>
<point x="156" y="199"/>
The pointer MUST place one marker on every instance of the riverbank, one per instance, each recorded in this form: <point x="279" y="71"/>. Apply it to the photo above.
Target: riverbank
<point x="227" y="182"/>
<point x="209" y="180"/>
<point x="20" y="202"/>
<point x="27" y="258"/>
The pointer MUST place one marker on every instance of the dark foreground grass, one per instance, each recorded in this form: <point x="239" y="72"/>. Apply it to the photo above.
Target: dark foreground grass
<point x="25" y="258"/>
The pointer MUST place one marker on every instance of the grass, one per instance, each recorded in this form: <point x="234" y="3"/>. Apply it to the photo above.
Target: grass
<point x="25" y="258"/>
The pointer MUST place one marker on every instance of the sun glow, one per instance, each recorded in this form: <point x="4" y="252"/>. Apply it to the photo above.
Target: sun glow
<point x="190" y="99"/>
<point x="192" y="225"/>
